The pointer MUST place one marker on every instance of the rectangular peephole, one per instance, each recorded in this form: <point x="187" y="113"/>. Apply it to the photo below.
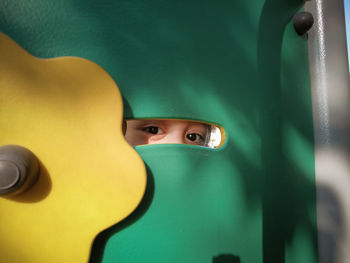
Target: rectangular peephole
<point x="173" y="131"/>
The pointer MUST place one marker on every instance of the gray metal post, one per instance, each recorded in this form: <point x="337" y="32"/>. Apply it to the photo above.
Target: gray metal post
<point x="331" y="112"/>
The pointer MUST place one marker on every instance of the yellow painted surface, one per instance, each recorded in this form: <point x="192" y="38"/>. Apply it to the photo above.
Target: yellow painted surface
<point x="68" y="112"/>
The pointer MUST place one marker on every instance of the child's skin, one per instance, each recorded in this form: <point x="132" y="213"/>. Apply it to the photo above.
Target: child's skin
<point x="140" y="132"/>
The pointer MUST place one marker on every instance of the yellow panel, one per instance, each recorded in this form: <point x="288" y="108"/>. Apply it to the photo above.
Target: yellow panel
<point x="68" y="111"/>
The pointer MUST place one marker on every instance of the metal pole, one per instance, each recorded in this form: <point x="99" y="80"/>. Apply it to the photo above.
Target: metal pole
<point x="331" y="116"/>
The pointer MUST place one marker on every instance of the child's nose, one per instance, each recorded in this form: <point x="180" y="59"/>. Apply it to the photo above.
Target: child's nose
<point x="172" y="137"/>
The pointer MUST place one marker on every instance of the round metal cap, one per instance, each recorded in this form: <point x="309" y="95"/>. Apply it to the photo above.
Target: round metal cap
<point x="10" y="175"/>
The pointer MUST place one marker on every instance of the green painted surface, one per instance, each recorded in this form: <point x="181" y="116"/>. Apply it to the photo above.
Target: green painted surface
<point x="195" y="211"/>
<point x="235" y="63"/>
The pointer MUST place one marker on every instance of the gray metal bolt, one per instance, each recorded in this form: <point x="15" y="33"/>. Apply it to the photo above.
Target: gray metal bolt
<point x="19" y="169"/>
<point x="10" y="175"/>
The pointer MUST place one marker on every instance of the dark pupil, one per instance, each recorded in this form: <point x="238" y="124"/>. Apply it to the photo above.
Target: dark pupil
<point x="153" y="130"/>
<point x="192" y="136"/>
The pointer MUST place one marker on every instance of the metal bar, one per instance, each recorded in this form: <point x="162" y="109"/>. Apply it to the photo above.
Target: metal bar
<point x="331" y="116"/>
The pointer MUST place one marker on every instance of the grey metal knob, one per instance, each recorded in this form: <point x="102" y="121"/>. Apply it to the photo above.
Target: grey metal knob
<point x="302" y="22"/>
<point x="19" y="169"/>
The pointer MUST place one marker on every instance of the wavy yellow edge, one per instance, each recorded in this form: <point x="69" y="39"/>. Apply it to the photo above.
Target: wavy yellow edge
<point x="68" y="112"/>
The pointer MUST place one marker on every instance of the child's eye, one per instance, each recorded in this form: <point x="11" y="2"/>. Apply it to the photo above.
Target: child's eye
<point x="152" y="129"/>
<point x="195" y="137"/>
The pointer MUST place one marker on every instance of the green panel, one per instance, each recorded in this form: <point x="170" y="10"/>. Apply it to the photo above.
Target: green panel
<point x="193" y="211"/>
<point x="236" y="63"/>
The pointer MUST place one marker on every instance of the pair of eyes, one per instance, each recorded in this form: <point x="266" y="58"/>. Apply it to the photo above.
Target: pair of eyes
<point x="191" y="136"/>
